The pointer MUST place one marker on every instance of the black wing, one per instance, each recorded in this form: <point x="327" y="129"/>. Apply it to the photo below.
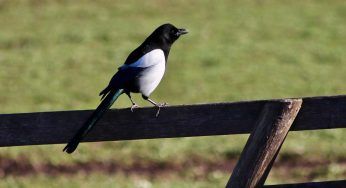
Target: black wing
<point x="122" y="79"/>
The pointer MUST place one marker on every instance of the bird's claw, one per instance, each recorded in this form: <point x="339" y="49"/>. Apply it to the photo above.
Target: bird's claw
<point x="160" y="105"/>
<point x="133" y="107"/>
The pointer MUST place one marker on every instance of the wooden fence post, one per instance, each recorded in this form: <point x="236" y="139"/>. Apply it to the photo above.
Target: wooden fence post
<point x="264" y="143"/>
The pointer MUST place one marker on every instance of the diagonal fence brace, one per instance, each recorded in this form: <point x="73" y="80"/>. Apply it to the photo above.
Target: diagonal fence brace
<point x="264" y="143"/>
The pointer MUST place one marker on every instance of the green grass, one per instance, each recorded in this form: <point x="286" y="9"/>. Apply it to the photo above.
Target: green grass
<point x="57" y="55"/>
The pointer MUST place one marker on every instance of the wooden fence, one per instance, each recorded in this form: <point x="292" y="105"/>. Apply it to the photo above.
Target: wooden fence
<point x="268" y="121"/>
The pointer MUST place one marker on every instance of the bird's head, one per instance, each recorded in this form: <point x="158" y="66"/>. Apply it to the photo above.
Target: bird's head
<point x="168" y="33"/>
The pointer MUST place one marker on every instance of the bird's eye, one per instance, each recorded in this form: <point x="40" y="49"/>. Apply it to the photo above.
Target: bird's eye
<point x="173" y="32"/>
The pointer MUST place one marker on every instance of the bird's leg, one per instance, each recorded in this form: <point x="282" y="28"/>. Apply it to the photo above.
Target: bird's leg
<point x="134" y="105"/>
<point x="159" y="105"/>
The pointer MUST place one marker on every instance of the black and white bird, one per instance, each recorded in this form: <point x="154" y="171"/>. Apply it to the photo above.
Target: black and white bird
<point x="141" y="73"/>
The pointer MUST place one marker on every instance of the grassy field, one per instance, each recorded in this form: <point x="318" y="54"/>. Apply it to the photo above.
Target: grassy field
<point x="58" y="55"/>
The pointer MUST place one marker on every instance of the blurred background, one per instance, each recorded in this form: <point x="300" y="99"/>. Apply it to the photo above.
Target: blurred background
<point x="58" y="55"/>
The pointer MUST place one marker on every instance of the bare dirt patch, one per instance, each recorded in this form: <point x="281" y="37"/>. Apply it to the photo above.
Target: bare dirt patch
<point x="200" y="168"/>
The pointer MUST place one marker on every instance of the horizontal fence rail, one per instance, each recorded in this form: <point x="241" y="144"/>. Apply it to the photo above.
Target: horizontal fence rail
<point x="174" y="121"/>
<point x="325" y="184"/>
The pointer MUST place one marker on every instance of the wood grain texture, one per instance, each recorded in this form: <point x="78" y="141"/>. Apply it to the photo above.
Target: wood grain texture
<point x="326" y="184"/>
<point x="174" y="121"/>
<point x="264" y="143"/>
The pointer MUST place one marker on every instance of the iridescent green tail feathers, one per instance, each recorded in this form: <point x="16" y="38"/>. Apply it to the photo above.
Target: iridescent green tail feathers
<point x="92" y="120"/>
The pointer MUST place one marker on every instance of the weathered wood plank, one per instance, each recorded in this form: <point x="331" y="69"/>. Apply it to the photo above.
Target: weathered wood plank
<point x="174" y="121"/>
<point x="264" y="143"/>
<point x="328" y="184"/>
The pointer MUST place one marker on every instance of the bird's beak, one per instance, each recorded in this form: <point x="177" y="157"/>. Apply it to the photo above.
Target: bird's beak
<point x="182" y="31"/>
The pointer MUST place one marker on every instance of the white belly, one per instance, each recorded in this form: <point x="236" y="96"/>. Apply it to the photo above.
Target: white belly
<point x="153" y="63"/>
<point x="150" y="78"/>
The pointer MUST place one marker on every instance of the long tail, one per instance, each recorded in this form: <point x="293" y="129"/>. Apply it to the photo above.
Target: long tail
<point x="91" y="121"/>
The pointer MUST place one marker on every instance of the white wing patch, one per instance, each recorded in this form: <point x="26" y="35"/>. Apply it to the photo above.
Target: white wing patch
<point x="152" y="58"/>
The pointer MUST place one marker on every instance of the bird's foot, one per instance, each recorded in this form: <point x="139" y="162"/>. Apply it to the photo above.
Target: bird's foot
<point x="134" y="106"/>
<point x="160" y="105"/>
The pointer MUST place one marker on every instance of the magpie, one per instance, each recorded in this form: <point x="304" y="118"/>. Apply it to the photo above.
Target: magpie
<point x="141" y="73"/>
